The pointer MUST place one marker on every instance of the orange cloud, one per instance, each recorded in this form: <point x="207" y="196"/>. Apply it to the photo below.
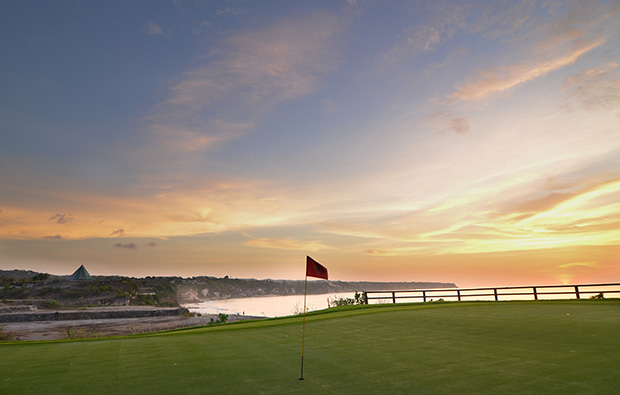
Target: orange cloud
<point x="504" y="78"/>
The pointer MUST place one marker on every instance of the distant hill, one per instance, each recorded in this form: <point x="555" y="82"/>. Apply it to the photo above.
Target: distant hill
<point x="57" y="291"/>
<point x="209" y="288"/>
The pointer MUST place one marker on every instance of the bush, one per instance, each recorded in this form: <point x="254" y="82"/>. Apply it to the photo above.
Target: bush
<point x="359" y="298"/>
<point x="221" y="319"/>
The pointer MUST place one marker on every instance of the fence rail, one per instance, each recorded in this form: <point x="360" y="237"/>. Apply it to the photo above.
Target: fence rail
<point x="535" y="291"/>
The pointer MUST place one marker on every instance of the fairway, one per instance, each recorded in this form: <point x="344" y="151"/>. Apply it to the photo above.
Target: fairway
<point x="432" y="348"/>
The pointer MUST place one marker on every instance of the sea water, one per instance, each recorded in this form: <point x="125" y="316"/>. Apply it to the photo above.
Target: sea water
<point x="266" y="306"/>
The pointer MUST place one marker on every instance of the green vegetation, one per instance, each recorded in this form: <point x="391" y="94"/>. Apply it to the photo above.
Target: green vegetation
<point x="221" y="319"/>
<point x="567" y="347"/>
<point x="358" y="298"/>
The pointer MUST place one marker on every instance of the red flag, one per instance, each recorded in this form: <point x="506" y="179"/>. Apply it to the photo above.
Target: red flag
<point x="315" y="269"/>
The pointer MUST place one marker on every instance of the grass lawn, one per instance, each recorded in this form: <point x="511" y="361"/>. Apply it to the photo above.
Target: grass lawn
<point x="560" y="347"/>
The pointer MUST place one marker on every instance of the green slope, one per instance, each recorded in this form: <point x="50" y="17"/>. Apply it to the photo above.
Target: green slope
<point x="501" y="347"/>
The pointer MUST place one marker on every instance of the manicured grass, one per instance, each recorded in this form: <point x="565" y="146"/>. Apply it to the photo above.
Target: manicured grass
<point x="558" y="347"/>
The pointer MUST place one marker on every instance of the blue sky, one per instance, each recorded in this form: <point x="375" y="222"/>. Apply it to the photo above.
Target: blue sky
<point x="473" y="142"/>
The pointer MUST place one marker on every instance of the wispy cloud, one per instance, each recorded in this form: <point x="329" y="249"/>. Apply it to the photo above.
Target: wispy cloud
<point x="573" y="33"/>
<point x="501" y="19"/>
<point x="506" y="77"/>
<point x="62" y="218"/>
<point x="233" y="11"/>
<point x="243" y="78"/>
<point x="118" y="232"/>
<point x="578" y="264"/>
<point x="446" y="121"/>
<point x="597" y="88"/>
<point x="286" y="244"/>
<point x="153" y="29"/>
<point x="425" y="37"/>
<point x="131" y="246"/>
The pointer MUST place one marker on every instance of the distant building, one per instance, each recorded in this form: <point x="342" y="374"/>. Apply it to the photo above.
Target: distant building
<point x="81" y="275"/>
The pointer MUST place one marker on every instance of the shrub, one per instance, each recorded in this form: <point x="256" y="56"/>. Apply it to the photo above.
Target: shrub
<point x="359" y="298"/>
<point x="221" y="319"/>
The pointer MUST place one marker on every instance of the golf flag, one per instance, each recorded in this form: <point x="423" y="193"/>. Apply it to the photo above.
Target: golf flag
<point x="315" y="269"/>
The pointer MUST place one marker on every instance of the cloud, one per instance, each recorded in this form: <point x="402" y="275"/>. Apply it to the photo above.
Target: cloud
<point x="544" y="203"/>
<point x="203" y="25"/>
<point x="244" y="77"/>
<point x="62" y="218"/>
<point x="286" y="243"/>
<point x="153" y="29"/>
<point x="572" y="31"/>
<point x="503" y="78"/>
<point x="152" y="244"/>
<point x="578" y="264"/>
<point x="329" y="106"/>
<point x="501" y="19"/>
<point x="120" y="232"/>
<point x="597" y="88"/>
<point x="55" y="237"/>
<point x="460" y="125"/>
<point x="131" y="246"/>
<point x="451" y="123"/>
<point x="233" y="11"/>
<point x="420" y="38"/>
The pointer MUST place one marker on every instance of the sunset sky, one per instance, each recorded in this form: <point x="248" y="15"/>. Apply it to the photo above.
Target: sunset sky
<point x="468" y="142"/>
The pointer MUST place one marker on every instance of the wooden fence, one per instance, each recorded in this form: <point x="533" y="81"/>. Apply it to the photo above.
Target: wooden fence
<point x="535" y="291"/>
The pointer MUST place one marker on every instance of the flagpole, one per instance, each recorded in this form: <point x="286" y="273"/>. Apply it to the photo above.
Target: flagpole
<point x="303" y="333"/>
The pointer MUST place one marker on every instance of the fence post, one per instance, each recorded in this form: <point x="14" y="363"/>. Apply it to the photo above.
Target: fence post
<point x="458" y="293"/>
<point x="577" y="291"/>
<point x="424" y="295"/>
<point x="394" y="296"/>
<point x="495" y="292"/>
<point x="365" y="297"/>
<point x="535" y="293"/>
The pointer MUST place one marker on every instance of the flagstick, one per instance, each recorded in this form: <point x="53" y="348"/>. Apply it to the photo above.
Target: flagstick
<point x="303" y="336"/>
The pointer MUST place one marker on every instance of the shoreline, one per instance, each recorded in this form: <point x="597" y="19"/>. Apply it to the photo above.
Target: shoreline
<point x="95" y="322"/>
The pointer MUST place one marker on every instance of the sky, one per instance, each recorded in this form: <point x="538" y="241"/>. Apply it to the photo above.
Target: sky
<point x="468" y="142"/>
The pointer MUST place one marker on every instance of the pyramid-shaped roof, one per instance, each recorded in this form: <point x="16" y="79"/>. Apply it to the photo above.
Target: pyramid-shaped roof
<point x="81" y="275"/>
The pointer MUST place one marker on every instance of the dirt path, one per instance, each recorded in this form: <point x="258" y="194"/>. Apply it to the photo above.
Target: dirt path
<point x="56" y="330"/>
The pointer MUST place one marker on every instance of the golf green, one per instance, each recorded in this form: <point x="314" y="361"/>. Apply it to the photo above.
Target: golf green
<point x="434" y="348"/>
